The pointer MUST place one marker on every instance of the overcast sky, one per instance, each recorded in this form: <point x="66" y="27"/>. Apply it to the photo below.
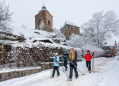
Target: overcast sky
<point x="76" y="11"/>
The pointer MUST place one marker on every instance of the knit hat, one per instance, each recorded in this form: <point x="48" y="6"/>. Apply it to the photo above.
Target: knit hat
<point x="65" y="51"/>
<point x="88" y="50"/>
<point x="55" y="53"/>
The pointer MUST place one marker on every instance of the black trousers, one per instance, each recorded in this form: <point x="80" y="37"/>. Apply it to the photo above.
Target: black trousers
<point x="88" y="64"/>
<point x="71" y="71"/>
<point x="65" y="65"/>
<point x="57" y="69"/>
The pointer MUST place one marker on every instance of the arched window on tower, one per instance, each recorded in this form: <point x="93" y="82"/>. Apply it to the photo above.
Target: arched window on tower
<point x="39" y="22"/>
<point x="48" y="22"/>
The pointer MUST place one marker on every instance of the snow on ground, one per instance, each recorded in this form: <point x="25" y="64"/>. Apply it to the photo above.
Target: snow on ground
<point x="106" y="74"/>
<point x="30" y="34"/>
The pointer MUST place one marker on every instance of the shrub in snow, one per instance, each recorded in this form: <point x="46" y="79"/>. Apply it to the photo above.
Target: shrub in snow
<point x="75" y="40"/>
<point x="58" y="33"/>
<point x="93" y="48"/>
<point x="30" y="56"/>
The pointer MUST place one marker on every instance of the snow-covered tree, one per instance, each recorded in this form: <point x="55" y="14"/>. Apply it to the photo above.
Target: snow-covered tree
<point x="5" y="19"/>
<point x="24" y="26"/>
<point x="101" y="26"/>
<point x="76" y="40"/>
<point x="5" y="16"/>
<point x="58" y="33"/>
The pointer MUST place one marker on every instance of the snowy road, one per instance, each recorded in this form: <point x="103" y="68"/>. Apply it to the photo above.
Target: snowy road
<point x="106" y="74"/>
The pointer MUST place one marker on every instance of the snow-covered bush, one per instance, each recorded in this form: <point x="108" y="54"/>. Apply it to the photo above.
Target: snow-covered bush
<point x="58" y="33"/>
<point x="81" y="44"/>
<point x="30" y="56"/>
<point x="76" y="40"/>
<point x="98" y="51"/>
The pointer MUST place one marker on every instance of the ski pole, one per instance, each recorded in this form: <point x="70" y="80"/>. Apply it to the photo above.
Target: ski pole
<point x="93" y="69"/>
<point x="78" y="69"/>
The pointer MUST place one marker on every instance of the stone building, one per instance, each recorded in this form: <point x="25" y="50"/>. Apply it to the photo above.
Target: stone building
<point x="44" y="20"/>
<point x="69" y="28"/>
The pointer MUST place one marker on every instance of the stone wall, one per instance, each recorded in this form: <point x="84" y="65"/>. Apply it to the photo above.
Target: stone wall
<point x="15" y="74"/>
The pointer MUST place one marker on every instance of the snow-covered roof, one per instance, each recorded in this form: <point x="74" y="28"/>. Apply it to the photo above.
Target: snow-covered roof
<point x="110" y="42"/>
<point x="69" y="23"/>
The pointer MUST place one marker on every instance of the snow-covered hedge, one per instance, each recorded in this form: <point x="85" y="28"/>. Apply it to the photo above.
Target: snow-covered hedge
<point x="98" y="51"/>
<point x="30" y="56"/>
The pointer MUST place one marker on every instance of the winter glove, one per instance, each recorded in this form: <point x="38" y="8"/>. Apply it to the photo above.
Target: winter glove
<point x="93" y="54"/>
<point x="70" y="60"/>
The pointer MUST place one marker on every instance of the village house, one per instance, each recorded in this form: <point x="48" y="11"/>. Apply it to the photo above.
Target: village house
<point x="70" y="28"/>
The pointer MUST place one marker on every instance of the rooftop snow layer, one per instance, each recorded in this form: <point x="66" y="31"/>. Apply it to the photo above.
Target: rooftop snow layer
<point x="69" y="23"/>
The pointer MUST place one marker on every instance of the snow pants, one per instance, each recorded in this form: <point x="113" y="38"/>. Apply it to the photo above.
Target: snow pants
<point x="57" y="69"/>
<point x="65" y="65"/>
<point x="88" y="64"/>
<point x="71" y="71"/>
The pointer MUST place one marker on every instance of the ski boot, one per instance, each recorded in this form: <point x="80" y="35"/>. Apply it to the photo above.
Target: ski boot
<point x="51" y="77"/>
<point x="69" y="79"/>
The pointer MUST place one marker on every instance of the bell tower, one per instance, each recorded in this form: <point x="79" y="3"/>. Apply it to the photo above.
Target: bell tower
<point x="44" y="20"/>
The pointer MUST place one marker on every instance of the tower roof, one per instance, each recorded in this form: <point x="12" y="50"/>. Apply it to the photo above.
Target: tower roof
<point x="43" y="8"/>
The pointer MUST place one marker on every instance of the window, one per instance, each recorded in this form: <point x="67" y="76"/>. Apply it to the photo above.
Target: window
<point x="71" y="28"/>
<point x="39" y="22"/>
<point x="69" y="33"/>
<point x="48" y="22"/>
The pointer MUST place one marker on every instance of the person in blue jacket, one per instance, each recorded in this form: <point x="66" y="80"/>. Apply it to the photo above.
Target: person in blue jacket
<point x="65" y="57"/>
<point x="56" y="65"/>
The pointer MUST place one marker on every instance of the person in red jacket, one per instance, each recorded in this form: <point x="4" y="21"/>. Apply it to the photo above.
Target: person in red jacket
<point x="88" y="60"/>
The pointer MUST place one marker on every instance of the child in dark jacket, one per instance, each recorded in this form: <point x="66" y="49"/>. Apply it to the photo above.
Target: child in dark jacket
<point x="65" y="57"/>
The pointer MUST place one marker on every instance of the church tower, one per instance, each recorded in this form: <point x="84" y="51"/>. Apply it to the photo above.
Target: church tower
<point x="44" y="20"/>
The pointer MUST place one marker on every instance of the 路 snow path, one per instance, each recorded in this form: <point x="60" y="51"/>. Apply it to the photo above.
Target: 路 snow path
<point x="106" y="69"/>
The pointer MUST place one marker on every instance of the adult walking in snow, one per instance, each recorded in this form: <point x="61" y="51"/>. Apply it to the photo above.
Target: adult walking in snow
<point x="73" y="64"/>
<point x="88" y="60"/>
<point x="65" y="57"/>
<point x="56" y="65"/>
